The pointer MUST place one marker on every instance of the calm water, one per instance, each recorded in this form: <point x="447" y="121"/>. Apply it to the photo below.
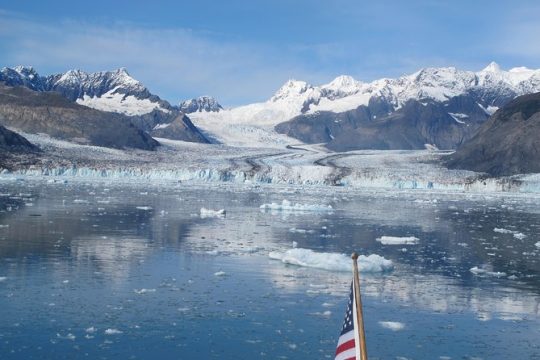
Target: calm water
<point x="118" y="272"/>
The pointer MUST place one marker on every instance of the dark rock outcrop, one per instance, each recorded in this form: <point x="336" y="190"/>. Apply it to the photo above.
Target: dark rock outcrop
<point x="11" y="141"/>
<point x="52" y="114"/>
<point x="414" y="125"/>
<point x="180" y="128"/>
<point x="507" y="144"/>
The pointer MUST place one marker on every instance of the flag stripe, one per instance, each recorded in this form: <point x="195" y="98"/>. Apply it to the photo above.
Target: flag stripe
<point x="347" y="355"/>
<point x="345" y="346"/>
<point x="345" y="337"/>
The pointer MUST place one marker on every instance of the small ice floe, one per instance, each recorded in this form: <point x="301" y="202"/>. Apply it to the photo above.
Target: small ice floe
<point x="286" y="205"/>
<point x="331" y="261"/>
<point x="485" y="272"/>
<point x="69" y="336"/>
<point x="90" y="330"/>
<point x="3" y="278"/>
<point x="325" y="314"/>
<point x="301" y="231"/>
<point x="3" y="226"/>
<point x="537" y="244"/>
<point x="80" y="201"/>
<point x="144" y="291"/>
<point x="209" y="213"/>
<point x="112" y="331"/>
<point x="394" y="240"/>
<point x="516" y="234"/>
<point x="220" y="273"/>
<point x="392" y="325"/>
<point x="146" y="208"/>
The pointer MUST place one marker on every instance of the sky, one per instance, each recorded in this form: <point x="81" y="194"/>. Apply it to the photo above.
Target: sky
<point x="242" y="51"/>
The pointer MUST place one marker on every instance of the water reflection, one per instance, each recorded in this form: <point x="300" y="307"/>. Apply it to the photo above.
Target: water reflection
<point x="147" y="251"/>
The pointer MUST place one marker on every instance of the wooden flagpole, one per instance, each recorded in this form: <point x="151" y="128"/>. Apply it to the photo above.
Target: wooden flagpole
<point x="359" y="313"/>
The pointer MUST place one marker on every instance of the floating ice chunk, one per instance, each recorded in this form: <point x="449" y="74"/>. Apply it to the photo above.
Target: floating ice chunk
<point x="393" y="240"/>
<point x="483" y="272"/>
<point x="220" y="273"/>
<point x="537" y="244"/>
<point x="3" y="226"/>
<point x="325" y="314"/>
<point x="69" y="336"/>
<point x="301" y="231"/>
<point x="113" y="332"/>
<point x="503" y="231"/>
<point x="331" y="261"/>
<point x="80" y="201"/>
<point x="392" y="325"/>
<point x="3" y="278"/>
<point x="144" y="208"/>
<point x="144" y="291"/>
<point x="91" y="330"/>
<point x="286" y="205"/>
<point x="209" y="213"/>
<point x="516" y="234"/>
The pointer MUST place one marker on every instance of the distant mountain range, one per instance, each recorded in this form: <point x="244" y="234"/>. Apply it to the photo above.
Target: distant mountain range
<point x="434" y="107"/>
<point x="439" y="107"/>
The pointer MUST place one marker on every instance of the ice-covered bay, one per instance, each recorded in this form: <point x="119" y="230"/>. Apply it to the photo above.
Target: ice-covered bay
<point x="126" y="267"/>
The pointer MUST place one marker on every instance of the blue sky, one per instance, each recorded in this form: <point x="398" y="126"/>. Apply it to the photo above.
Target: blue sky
<point x="241" y="51"/>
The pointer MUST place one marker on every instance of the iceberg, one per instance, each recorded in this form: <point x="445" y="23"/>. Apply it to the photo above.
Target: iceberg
<point x="392" y="240"/>
<point x="331" y="261"/>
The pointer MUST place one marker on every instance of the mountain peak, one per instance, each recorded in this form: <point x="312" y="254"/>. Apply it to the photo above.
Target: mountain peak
<point x="200" y="104"/>
<point x="343" y="81"/>
<point x="122" y="71"/>
<point x="27" y="71"/>
<point x="492" y="67"/>
<point x="291" y="88"/>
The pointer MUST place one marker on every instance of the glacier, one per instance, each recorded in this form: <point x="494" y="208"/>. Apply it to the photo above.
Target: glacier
<point x="177" y="162"/>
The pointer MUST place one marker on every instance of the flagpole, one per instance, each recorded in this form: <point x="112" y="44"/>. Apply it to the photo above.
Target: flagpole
<point x="359" y="313"/>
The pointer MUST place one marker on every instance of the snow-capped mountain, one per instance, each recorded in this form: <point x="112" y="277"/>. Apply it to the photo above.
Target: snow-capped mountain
<point x="494" y="85"/>
<point x="461" y="100"/>
<point x="114" y="91"/>
<point x="200" y="104"/>
<point x="111" y="91"/>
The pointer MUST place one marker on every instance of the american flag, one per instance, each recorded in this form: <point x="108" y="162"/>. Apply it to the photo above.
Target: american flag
<point x="348" y="347"/>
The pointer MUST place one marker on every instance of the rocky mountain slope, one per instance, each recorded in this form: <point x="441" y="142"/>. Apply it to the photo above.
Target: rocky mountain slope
<point x="508" y="143"/>
<point x="50" y="113"/>
<point x="112" y="91"/>
<point x="180" y="128"/>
